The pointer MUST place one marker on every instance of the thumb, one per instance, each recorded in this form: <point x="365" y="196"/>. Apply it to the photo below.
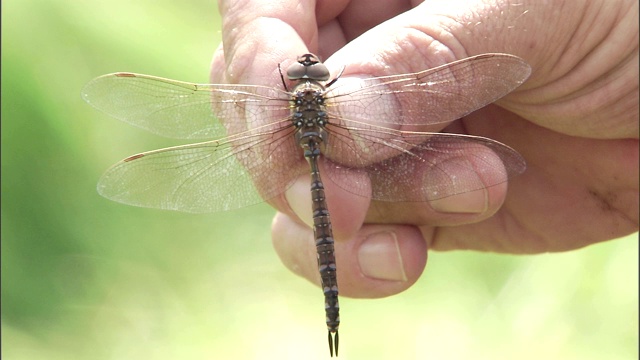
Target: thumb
<point x="439" y="32"/>
<point x="378" y="261"/>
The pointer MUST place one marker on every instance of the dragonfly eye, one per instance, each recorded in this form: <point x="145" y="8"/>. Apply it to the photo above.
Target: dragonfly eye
<point x="308" y="67"/>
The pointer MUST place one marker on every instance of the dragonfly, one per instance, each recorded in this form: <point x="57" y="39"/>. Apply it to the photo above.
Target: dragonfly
<point x="255" y="141"/>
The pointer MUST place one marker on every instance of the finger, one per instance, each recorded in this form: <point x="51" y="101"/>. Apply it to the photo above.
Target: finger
<point x="347" y="209"/>
<point x="259" y="35"/>
<point x="426" y="36"/>
<point x="438" y="32"/>
<point x="475" y="175"/>
<point x="454" y="187"/>
<point x="217" y="75"/>
<point x="380" y="260"/>
<point x="342" y="21"/>
<point x="434" y="34"/>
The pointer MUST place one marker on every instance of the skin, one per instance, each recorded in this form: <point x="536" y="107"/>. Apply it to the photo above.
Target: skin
<point x="575" y="121"/>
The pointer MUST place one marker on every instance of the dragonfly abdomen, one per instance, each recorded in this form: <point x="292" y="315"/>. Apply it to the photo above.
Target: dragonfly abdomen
<point x="324" y="241"/>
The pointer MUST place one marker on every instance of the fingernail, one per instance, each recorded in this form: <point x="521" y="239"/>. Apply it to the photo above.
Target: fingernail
<point x="456" y="176"/>
<point x="380" y="258"/>
<point x="299" y="198"/>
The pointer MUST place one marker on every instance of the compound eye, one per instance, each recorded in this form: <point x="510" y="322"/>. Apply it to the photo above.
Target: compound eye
<point x="296" y="71"/>
<point x="318" y="72"/>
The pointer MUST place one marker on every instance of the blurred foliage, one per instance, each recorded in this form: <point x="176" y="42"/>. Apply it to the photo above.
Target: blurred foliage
<point x="84" y="278"/>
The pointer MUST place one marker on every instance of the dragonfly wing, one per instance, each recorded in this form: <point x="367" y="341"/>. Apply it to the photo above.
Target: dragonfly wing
<point x="183" y="110"/>
<point x="433" y="96"/>
<point x="207" y="177"/>
<point x="423" y="166"/>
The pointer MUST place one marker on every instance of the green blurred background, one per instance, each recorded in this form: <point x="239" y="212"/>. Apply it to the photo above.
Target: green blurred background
<point x="85" y="278"/>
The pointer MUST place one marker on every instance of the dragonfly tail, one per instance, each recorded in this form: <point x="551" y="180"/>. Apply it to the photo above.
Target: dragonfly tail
<point x="333" y="340"/>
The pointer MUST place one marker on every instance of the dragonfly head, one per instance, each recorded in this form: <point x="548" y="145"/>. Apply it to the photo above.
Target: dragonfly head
<point x="308" y="66"/>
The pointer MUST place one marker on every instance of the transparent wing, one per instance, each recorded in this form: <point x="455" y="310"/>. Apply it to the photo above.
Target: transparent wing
<point x="413" y="167"/>
<point x="183" y="110"/>
<point x="256" y="156"/>
<point x="207" y="177"/>
<point x="433" y="96"/>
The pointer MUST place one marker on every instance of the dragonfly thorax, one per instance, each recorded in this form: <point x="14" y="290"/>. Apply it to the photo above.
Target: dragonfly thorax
<point x="308" y="112"/>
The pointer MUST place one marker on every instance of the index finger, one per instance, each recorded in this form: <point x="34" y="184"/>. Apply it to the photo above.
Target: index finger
<point x="258" y="35"/>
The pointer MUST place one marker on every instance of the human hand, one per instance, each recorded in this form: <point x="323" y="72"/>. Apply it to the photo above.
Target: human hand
<point x="575" y="122"/>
